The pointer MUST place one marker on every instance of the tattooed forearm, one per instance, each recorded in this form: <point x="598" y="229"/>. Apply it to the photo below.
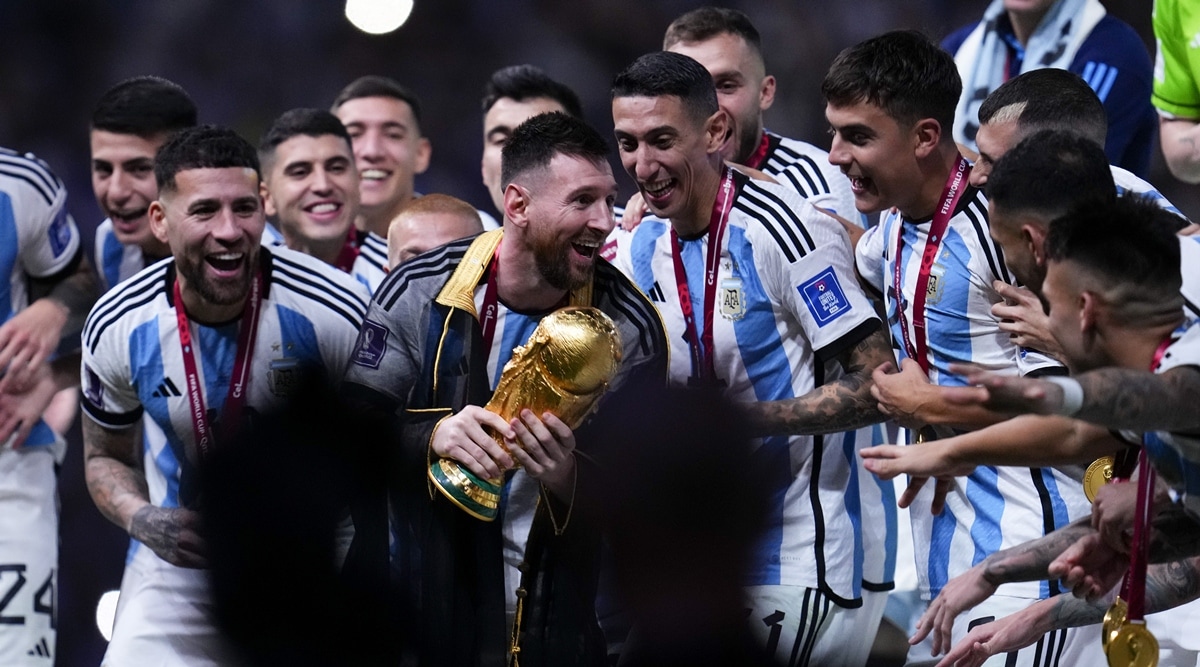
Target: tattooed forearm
<point x="1141" y="401"/>
<point x="842" y="405"/>
<point x="1029" y="561"/>
<point x="113" y="472"/>
<point x="1176" y="535"/>
<point x="1168" y="585"/>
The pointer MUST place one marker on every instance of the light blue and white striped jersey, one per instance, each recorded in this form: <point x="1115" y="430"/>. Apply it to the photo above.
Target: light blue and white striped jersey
<point x="1176" y="456"/>
<point x="37" y="238"/>
<point x="370" y="267"/>
<point x="805" y="168"/>
<point x="133" y="362"/>
<point x="995" y="507"/>
<point x="1129" y="182"/>
<point x="115" y="261"/>
<point x="788" y="305"/>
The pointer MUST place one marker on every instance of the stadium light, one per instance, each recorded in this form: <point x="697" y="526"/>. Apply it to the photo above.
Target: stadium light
<point x="378" y="17"/>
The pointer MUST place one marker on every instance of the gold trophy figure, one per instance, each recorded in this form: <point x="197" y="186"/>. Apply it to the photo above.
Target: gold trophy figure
<point x="564" y="368"/>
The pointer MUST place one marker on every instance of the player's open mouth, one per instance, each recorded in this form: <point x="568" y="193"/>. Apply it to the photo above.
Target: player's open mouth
<point x="374" y="174"/>
<point x="128" y="221"/>
<point x="657" y="192"/>
<point x="323" y="210"/>
<point x="859" y="185"/>
<point x="586" y="248"/>
<point x="225" y="262"/>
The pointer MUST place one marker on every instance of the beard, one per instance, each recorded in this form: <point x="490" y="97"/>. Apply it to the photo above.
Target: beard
<point x="553" y="260"/>
<point x="218" y="292"/>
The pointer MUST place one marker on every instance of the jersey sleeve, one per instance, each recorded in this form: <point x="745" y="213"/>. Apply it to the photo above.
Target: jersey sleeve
<point x="1176" y="92"/>
<point x="819" y="288"/>
<point x="46" y="232"/>
<point x="868" y="257"/>
<point x="109" y="396"/>
<point x="338" y="339"/>
<point x="384" y="356"/>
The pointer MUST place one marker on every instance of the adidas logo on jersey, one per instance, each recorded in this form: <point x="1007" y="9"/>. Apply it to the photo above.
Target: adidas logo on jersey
<point x="166" y="389"/>
<point x="656" y="294"/>
<point x="41" y="649"/>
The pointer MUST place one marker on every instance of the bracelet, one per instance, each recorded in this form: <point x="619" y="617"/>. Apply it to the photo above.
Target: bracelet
<point x="1072" y="391"/>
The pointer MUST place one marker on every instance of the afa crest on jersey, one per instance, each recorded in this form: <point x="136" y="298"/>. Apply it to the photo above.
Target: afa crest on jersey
<point x="937" y="284"/>
<point x="283" y="375"/>
<point x="733" y="299"/>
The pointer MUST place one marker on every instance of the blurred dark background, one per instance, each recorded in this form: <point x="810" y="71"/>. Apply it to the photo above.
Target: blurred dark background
<point x="246" y="61"/>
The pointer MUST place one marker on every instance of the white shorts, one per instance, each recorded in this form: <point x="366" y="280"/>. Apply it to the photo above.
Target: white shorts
<point x="164" y="617"/>
<point x="28" y="556"/>
<point x="799" y="626"/>
<point x="1059" y="648"/>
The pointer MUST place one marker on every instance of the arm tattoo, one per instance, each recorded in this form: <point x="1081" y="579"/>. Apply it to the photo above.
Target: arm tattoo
<point x="1029" y="561"/>
<point x="1168" y="585"/>
<point x="1141" y="401"/>
<point x="113" y="472"/>
<point x="1176" y="535"/>
<point x="842" y="405"/>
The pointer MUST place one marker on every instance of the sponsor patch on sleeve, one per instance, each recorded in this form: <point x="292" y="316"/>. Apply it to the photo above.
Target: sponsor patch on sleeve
<point x="60" y="232"/>
<point x="93" y="390"/>
<point x="824" y="297"/>
<point x="371" y="344"/>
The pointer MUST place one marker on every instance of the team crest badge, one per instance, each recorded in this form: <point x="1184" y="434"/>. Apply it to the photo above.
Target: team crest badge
<point x="937" y="283"/>
<point x="283" y="376"/>
<point x="733" y="301"/>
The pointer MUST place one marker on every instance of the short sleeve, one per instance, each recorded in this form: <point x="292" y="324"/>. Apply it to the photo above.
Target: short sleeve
<point x="820" y="288"/>
<point x="46" y="232"/>
<point x="106" y="380"/>
<point x="869" y="256"/>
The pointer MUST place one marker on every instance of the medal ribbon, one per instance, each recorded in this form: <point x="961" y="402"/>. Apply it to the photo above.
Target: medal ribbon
<point x="349" y="253"/>
<point x="1134" y="588"/>
<point x="916" y="342"/>
<point x="239" y="384"/>
<point x="491" y="302"/>
<point x="701" y="346"/>
<point x="760" y="154"/>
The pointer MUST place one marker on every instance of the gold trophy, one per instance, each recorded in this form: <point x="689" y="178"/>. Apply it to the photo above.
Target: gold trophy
<point x="564" y="368"/>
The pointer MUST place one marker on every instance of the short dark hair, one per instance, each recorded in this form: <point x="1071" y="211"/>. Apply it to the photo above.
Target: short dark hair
<point x="664" y="73"/>
<point x="1049" y="173"/>
<point x="1049" y="99"/>
<point x="203" y="147"/>
<point x="1128" y="243"/>
<point x="705" y="23"/>
<point x="307" y="122"/>
<point x="374" y="85"/>
<point x="901" y="72"/>
<point x="527" y="82"/>
<point x="144" y="106"/>
<point x="535" y="142"/>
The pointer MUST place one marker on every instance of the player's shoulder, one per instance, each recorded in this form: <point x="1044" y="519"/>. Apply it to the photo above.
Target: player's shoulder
<point x="794" y="226"/>
<point x="30" y="185"/>
<point x="1184" y="349"/>
<point x="374" y="249"/>
<point x="306" y="283"/>
<point x="129" y="304"/>
<point x="1113" y="42"/>
<point x="632" y="312"/>
<point x="424" y="275"/>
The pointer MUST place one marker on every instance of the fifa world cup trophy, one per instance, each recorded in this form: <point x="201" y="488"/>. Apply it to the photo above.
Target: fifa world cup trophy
<point x="564" y="368"/>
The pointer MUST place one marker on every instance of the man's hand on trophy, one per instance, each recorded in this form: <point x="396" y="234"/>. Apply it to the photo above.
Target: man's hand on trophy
<point x="545" y="448"/>
<point x="464" y="438"/>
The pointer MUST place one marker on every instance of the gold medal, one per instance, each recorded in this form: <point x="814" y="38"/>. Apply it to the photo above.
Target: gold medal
<point x="1114" y="619"/>
<point x="1133" y="646"/>
<point x="1099" y="473"/>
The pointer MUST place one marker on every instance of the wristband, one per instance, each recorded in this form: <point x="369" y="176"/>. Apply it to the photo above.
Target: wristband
<point x="1072" y="399"/>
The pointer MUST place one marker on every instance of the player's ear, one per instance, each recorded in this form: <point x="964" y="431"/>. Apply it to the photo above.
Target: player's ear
<point x="716" y="130"/>
<point x="158" y="220"/>
<point x="766" y="94"/>
<point x="516" y="204"/>
<point x="268" y="203"/>
<point x="926" y="134"/>
<point x="424" y="153"/>
<point x="1035" y="238"/>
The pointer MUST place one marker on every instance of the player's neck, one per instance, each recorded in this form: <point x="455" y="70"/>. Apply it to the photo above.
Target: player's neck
<point x="326" y="250"/>
<point x="1136" y="347"/>
<point x="378" y="220"/>
<point x="1024" y="23"/>
<point x="154" y="250"/>
<point x="202" y="311"/>
<point x="693" y="221"/>
<point x="519" y="283"/>
<point x="935" y="170"/>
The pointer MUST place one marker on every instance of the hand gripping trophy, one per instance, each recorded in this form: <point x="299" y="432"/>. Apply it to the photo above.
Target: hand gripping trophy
<point x="564" y="368"/>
